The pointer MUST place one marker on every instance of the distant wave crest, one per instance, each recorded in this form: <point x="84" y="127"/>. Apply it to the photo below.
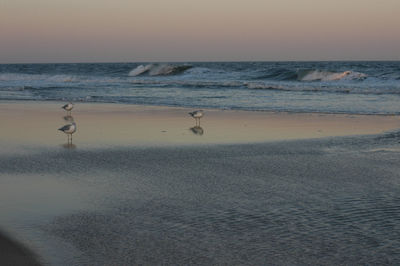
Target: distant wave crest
<point x="281" y="74"/>
<point x="158" y="70"/>
<point x="323" y="75"/>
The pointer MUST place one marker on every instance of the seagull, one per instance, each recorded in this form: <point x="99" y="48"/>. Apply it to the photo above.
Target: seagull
<point x="197" y="115"/>
<point x="69" y="130"/>
<point x="68" y="107"/>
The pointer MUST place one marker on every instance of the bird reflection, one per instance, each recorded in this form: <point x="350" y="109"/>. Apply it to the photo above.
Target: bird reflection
<point x="69" y="128"/>
<point x="69" y="146"/>
<point x="69" y="118"/>
<point x="197" y="130"/>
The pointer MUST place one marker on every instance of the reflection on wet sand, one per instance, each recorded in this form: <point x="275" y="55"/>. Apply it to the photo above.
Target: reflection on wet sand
<point x="69" y="145"/>
<point x="107" y="124"/>
<point x="70" y="128"/>
<point x="197" y="130"/>
<point x="69" y="118"/>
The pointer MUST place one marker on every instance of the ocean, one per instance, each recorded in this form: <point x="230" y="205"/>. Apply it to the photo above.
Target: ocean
<point x="321" y="87"/>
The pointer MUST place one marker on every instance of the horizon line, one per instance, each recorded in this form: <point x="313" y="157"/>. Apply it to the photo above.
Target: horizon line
<point x="205" y="61"/>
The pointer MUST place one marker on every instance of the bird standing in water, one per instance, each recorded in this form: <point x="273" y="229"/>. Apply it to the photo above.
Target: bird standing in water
<point x="69" y="130"/>
<point x="68" y="107"/>
<point x="197" y="115"/>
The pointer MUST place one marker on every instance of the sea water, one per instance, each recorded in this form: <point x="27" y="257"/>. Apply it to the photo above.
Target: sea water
<point x="326" y="87"/>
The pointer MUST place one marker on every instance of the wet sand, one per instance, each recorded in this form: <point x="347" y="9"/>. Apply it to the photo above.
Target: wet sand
<point x="15" y="254"/>
<point x="256" y="188"/>
<point x="130" y="125"/>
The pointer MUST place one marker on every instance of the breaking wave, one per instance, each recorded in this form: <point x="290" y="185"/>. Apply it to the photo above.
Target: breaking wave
<point x="158" y="70"/>
<point x="281" y="74"/>
<point x="366" y="87"/>
<point x="322" y="75"/>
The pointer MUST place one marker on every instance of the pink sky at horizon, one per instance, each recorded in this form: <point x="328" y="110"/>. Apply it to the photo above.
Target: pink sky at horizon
<point x="184" y="30"/>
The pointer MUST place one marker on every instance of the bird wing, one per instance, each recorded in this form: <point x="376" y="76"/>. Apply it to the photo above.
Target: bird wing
<point x="194" y="113"/>
<point x="64" y="128"/>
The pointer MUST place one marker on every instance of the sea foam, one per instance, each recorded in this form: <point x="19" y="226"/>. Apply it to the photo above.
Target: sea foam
<point x="322" y="75"/>
<point x="158" y="70"/>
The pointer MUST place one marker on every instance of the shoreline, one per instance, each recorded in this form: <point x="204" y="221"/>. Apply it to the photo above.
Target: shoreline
<point x="126" y="124"/>
<point x="16" y="101"/>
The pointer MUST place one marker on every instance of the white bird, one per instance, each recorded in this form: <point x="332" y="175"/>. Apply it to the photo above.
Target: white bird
<point x="197" y="115"/>
<point x="69" y="130"/>
<point x="68" y="107"/>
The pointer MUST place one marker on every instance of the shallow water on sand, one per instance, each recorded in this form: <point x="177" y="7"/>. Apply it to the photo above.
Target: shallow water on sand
<point x="26" y="125"/>
<point x="330" y="201"/>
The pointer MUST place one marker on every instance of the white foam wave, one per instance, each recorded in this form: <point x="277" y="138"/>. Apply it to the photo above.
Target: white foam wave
<point x="320" y="75"/>
<point x="158" y="69"/>
<point x="140" y="70"/>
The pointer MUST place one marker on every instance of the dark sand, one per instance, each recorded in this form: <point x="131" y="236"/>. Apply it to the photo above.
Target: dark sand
<point x="15" y="254"/>
<point x="320" y="201"/>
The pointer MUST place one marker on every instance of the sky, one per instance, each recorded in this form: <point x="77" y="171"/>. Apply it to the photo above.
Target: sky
<point x="44" y="31"/>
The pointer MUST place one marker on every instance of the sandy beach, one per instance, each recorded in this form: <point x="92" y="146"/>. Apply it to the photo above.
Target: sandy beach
<point x="199" y="133"/>
<point x="143" y="185"/>
<point x="135" y="125"/>
<point x="296" y="160"/>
